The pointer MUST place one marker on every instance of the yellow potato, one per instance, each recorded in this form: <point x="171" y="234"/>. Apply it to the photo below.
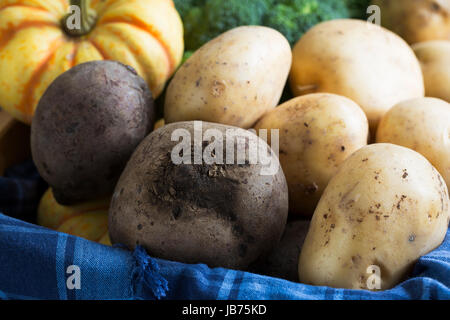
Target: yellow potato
<point x="386" y="207"/>
<point x="364" y="62"/>
<point x="422" y="125"/>
<point x="434" y="57"/>
<point x="317" y="132"/>
<point x="416" y="20"/>
<point x="233" y="79"/>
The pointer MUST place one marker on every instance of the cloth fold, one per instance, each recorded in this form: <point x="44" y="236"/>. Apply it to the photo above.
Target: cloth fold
<point x="21" y="188"/>
<point x="146" y="273"/>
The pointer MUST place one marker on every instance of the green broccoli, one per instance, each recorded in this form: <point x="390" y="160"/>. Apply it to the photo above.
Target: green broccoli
<point x="195" y="32"/>
<point x="294" y="17"/>
<point x="184" y="6"/>
<point x="206" y="19"/>
<point x="358" y="8"/>
<point x="203" y="23"/>
<point x="186" y="55"/>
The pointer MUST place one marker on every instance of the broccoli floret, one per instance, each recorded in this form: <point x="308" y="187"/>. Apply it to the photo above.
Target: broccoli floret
<point x="186" y="55"/>
<point x="202" y="24"/>
<point x="206" y="19"/>
<point x="184" y="6"/>
<point x="195" y="32"/>
<point x="284" y="19"/>
<point x="294" y="17"/>
<point x="358" y="8"/>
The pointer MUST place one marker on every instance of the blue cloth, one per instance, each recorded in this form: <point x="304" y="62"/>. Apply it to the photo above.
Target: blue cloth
<point x="20" y="191"/>
<point x="34" y="262"/>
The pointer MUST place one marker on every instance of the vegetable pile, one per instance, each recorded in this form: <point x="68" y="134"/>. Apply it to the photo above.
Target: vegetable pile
<point x="351" y="172"/>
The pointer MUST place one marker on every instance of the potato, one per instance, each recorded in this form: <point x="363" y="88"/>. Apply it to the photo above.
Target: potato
<point x="416" y="20"/>
<point x="364" y="62"/>
<point x="282" y="262"/>
<point x="434" y="57"/>
<point x="86" y="126"/>
<point x="422" y="125"/>
<point x="317" y="133"/>
<point x="386" y="207"/>
<point x="225" y="215"/>
<point x="233" y="79"/>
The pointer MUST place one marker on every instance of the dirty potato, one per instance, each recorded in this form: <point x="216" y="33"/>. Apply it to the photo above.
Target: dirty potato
<point x="434" y="57"/>
<point x="364" y="62"/>
<point x="233" y="79"/>
<point x="282" y="262"/>
<point x="386" y="207"/>
<point x="416" y="20"/>
<point x="220" y="212"/>
<point x="422" y="125"/>
<point x="317" y="132"/>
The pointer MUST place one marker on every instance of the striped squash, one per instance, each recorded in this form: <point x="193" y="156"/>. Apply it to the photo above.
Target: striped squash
<point x="88" y="220"/>
<point x="35" y="47"/>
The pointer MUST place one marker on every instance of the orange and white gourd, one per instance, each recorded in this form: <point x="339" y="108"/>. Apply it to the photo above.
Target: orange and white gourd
<point x="87" y="220"/>
<point x="35" y="47"/>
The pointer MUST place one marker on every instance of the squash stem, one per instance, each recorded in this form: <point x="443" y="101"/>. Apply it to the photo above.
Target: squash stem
<point x="80" y="20"/>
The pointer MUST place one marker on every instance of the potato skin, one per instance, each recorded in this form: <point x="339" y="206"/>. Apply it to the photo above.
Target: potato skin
<point x="317" y="133"/>
<point x="416" y="20"/>
<point x="86" y="126"/>
<point x="221" y="215"/>
<point x="282" y="262"/>
<point x="422" y="125"/>
<point x="364" y="62"/>
<point x="233" y="79"/>
<point x="387" y="206"/>
<point x="434" y="57"/>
